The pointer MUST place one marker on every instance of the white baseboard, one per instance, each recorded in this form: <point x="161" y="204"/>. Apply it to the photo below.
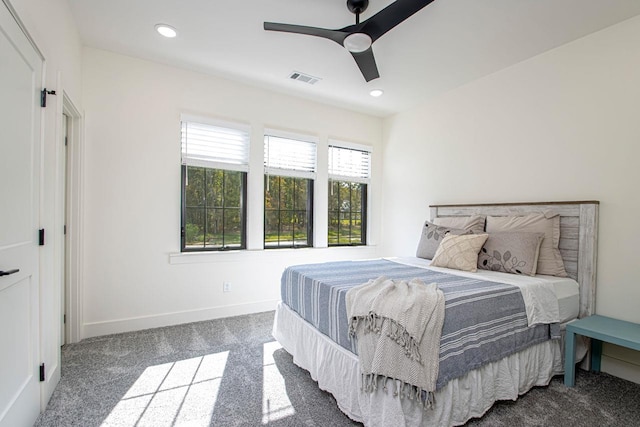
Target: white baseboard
<point x="167" y="319"/>
<point x="621" y="369"/>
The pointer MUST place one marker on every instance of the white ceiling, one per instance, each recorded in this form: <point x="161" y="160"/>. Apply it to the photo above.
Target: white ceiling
<point x="443" y="46"/>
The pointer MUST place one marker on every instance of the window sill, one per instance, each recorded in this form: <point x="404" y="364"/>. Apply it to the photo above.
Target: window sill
<point x="261" y="254"/>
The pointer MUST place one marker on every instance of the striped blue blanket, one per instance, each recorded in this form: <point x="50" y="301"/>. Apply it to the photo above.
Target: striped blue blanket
<point x="484" y="321"/>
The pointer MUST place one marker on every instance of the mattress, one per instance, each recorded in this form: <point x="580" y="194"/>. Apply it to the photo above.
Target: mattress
<point x="566" y="290"/>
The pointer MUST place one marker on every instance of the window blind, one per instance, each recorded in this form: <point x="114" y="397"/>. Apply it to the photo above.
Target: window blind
<point x="289" y="157"/>
<point x="218" y="147"/>
<point x="348" y="164"/>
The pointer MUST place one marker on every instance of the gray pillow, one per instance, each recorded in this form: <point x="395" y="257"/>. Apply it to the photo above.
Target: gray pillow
<point x="550" y="260"/>
<point x="474" y="223"/>
<point x="431" y="237"/>
<point x="515" y="253"/>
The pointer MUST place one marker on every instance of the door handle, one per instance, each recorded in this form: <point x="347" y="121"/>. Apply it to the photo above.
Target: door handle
<point x="8" y="272"/>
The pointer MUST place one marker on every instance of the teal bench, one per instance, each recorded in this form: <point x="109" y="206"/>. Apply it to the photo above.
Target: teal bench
<point x="599" y="329"/>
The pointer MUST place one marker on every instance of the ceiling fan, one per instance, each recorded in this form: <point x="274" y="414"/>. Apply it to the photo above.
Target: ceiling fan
<point x="357" y="39"/>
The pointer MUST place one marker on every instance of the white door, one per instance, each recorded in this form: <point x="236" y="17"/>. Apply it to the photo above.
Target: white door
<point x="20" y="80"/>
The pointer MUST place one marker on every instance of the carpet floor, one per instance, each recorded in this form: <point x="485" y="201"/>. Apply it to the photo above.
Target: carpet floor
<point x="231" y="372"/>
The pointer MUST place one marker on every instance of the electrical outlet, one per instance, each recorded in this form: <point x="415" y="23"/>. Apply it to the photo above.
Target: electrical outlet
<point x="226" y="286"/>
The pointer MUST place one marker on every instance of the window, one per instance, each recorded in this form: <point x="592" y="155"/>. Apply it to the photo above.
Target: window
<point x="290" y="166"/>
<point x="349" y="176"/>
<point x="215" y="161"/>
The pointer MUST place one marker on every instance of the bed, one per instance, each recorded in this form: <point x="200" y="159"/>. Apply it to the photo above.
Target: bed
<point x="315" y="333"/>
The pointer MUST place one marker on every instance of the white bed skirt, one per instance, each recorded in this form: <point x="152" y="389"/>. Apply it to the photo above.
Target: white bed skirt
<point x="336" y="370"/>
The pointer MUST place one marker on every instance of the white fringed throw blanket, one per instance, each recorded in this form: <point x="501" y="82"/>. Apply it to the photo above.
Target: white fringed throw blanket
<point x="398" y="325"/>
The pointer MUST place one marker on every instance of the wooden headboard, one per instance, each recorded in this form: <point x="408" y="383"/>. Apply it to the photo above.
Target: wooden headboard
<point x="578" y="236"/>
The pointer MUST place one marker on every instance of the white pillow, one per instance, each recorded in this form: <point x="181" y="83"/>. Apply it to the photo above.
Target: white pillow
<point x="459" y="252"/>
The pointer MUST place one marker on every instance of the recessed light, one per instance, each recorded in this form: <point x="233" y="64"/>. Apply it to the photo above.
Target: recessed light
<point x="166" y="30"/>
<point x="376" y="93"/>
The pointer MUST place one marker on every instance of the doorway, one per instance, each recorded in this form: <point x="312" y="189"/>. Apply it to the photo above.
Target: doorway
<point x="70" y="190"/>
<point x="65" y="246"/>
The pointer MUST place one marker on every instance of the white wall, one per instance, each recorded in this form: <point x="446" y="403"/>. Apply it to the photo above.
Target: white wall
<point x="134" y="274"/>
<point x="52" y="28"/>
<point x="561" y="126"/>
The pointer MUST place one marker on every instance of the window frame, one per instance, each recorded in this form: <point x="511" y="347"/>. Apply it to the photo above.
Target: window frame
<point x="364" y="190"/>
<point x="309" y="209"/>
<point x="363" y="180"/>
<point x="243" y="215"/>
<point x="309" y="176"/>
<point x="242" y="169"/>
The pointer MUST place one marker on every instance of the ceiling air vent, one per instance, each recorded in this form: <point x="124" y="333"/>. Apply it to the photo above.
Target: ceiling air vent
<point x="305" y="78"/>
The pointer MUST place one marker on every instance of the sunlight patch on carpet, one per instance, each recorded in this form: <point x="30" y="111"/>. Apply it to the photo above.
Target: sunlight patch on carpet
<point x="177" y="393"/>
<point x="275" y="402"/>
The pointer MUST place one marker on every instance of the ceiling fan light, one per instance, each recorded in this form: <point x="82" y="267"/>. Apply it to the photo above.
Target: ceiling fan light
<point x="357" y="42"/>
<point x="376" y="93"/>
<point x="166" y="30"/>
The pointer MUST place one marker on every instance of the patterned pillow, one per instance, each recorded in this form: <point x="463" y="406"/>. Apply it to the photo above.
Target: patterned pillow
<point x="515" y="253"/>
<point x="459" y="252"/>
<point x="431" y="237"/>
<point x="550" y="260"/>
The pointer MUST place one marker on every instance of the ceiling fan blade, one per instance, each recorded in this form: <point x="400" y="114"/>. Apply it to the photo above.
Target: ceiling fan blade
<point x="383" y="21"/>
<point x="367" y="64"/>
<point x="337" y="36"/>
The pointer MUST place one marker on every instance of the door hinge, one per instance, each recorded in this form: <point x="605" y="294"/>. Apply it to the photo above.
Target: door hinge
<point x="41" y="237"/>
<point x="64" y="229"/>
<point x="64" y="319"/>
<point x="42" y="372"/>
<point x="66" y="141"/>
<point x="43" y="96"/>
